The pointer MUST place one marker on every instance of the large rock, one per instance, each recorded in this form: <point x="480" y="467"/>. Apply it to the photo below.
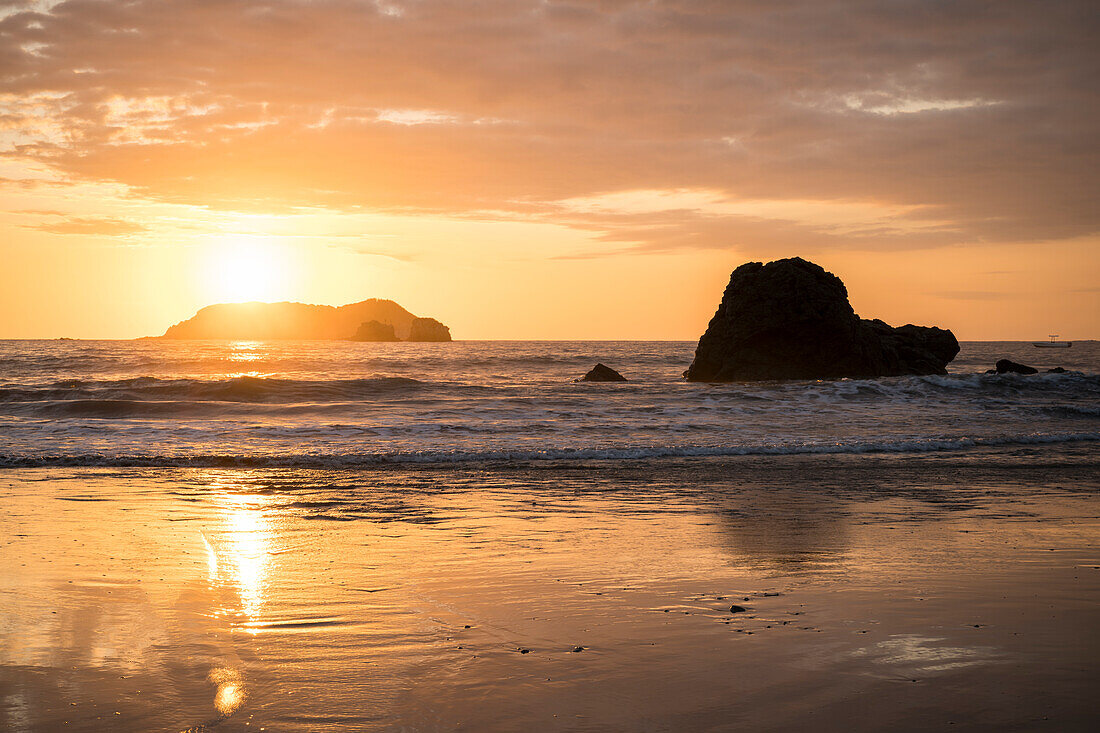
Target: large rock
<point x="790" y="319"/>
<point x="375" y="331"/>
<point x="428" y="329"/>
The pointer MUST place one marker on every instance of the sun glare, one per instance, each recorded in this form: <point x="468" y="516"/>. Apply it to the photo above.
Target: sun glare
<point x="239" y="269"/>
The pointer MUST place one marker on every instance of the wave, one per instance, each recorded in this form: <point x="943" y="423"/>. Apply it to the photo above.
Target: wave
<point x="236" y="389"/>
<point x="504" y="456"/>
<point x="275" y="389"/>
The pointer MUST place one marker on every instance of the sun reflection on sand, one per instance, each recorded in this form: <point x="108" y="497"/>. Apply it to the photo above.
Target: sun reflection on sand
<point x="230" y="692"/>
<point x="237" y="559"/>
<point x="240" y="559"/>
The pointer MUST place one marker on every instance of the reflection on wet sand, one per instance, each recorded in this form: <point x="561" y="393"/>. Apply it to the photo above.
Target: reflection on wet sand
<point x="243" y="550"/>
<point x="237" y="560"/>
<point x="549" y="600"/>
<point x="784" y="531"/>
<point x="230" y="692"/>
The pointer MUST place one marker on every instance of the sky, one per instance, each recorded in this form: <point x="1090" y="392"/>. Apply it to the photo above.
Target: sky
<point x="532" y="169"/>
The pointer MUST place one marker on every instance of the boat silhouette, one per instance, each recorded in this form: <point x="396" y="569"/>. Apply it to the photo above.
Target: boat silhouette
<point x="1052" y="344"/>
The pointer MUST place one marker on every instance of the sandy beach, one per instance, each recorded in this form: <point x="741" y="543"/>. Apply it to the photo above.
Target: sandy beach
<point x="945" y="591"/>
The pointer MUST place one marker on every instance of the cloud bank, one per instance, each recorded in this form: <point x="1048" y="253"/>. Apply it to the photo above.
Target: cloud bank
<point x="656" y="125"/>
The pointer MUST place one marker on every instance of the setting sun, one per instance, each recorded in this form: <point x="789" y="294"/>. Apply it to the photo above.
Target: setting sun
<point x="239" y="269"/>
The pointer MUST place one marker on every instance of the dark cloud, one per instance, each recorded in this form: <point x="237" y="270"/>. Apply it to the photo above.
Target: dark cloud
<point x="981" y="114"/>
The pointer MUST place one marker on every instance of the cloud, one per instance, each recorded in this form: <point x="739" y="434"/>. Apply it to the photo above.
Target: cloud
<point x="99" y="226"/>
<point x="977" y="118"/>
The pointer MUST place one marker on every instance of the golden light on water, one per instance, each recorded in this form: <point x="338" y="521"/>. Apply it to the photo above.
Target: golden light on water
<point x="230" y="693"/>
<point x="238" y="557"/>
<point x="248" y="550"/>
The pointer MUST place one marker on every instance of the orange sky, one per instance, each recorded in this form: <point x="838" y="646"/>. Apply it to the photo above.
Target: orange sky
<point x="547" y="169"/>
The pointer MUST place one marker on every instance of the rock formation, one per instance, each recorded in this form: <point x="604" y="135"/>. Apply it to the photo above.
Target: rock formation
<point x="375" y="331"/>
<point x="428" y="329"/>
<point x="1005" y="366"/>
<point x="790" y="319"/>
<point x="270" y="321"/>
<point x="601" y="373"/>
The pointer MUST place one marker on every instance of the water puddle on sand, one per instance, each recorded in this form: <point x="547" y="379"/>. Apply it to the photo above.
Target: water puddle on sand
<point x="665" y="597"/>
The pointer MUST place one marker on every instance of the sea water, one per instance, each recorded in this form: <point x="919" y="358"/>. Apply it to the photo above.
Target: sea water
<point x="342" y="404"/>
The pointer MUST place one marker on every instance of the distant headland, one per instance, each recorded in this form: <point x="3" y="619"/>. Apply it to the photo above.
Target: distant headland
<point x="367" y="320"/>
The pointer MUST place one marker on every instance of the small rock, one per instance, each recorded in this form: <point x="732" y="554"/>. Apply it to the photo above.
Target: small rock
<point x="1004" y="366"/>
<point x="601" y="373"/>
<point x="1056" y="370"/>
<point x="577" y="649"/>
<point x="524" y="651"/>
<point x="738" y="609"/>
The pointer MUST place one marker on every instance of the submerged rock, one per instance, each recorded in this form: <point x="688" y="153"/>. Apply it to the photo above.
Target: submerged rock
<point x="428" y="329"/>
<point x="375" y="331"/>
<point x="790" y="319"/>
<point x="601" y="373"/>
<point x="1004" y="366"/>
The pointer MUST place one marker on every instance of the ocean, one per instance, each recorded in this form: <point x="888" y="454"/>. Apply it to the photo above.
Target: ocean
<point x="337" y="404"/>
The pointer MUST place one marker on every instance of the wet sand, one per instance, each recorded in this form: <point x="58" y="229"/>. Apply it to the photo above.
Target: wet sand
<point x="949" y="591"/>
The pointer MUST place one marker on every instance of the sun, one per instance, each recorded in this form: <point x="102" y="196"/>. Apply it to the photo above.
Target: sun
<point x="242" y="268"/>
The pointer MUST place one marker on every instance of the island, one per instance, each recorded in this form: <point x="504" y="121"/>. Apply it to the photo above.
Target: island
<point x="368" y="320"/>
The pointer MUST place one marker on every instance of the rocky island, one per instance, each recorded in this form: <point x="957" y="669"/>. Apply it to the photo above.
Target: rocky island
<point x="790" y="319"/>
<point x="367" y="320"/>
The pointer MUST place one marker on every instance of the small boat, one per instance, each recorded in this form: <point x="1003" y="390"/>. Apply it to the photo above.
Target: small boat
<point x="1052" y="344"/>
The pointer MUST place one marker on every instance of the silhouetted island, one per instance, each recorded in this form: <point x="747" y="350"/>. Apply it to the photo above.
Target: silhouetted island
<point x="301" y="321"/>
<point x="790" y="319"/>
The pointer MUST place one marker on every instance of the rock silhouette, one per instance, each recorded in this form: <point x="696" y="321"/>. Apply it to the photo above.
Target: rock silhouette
<point x="601" y="373"/>
<point x="428" y="329"/>
<point x="790" y="319"/>
<point x="1005" y="366"/>
<point x="375" y="331"/>
<point x="300" y="321"/>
